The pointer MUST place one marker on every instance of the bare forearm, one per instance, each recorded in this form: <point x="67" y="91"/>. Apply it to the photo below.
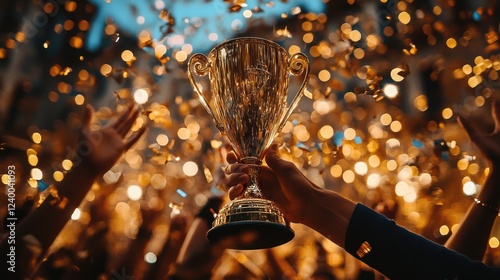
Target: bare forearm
<point x="473" y="234"/>
<point x="45" y="222"/>
<point x="329" y="214"/>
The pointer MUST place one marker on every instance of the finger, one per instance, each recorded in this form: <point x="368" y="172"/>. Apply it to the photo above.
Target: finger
<point x="236" y="168"/>
<point x="495" y="113"/>
<point x="235" y="191"/>
<point x="88" y="115"/>
<point x="134" y="138"/>
<point x="231" y="157"/>
<point x="237" y="178"/>
<point x="272" y="158"/>
<point x="122" y="117"/>
<point x="124" y="127"/>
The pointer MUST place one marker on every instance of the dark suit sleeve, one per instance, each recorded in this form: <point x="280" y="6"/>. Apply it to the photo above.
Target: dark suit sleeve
<point x="400" y="254"/>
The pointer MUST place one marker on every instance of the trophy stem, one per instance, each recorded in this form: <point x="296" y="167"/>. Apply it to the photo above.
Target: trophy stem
<point x="253" y="190"/>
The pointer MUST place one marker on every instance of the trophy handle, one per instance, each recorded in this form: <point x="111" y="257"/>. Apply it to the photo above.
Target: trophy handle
<point x="297" y="64"/>
<point x="200" y="65"/>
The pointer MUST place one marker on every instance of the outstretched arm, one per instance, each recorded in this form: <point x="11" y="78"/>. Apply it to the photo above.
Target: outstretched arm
<point x="96" y="152"/>
<point x="472" y="236"/>
<point x="364" y="233"/>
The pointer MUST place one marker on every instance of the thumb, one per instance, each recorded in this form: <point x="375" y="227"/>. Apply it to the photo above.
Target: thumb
<point x="88" y="115"/>
<point x="271" y="156"/>
<point x="274" y="161"/>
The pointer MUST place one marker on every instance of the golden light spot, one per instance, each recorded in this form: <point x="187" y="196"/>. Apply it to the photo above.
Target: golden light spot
<point x="190" y="168"/>
<point x="30" y="151"/>
<point x="127" y="55"/>
<point x="385" y="119"/>
<point x="324" y="75"/>
<point x="444" y="230"/>
<point x="373" y="181"/>
<point x="451" y="43"/>
<point x="307" y="26"/>
<point x="68" y="25"/>
<point x="77" y="213"/>
<point x="33" y="160"/>
<point x="79" y="99"/>
<point x="141" y="96"/>
<point x="293" y="49"/>
<point x="346" y="28"/>
<point x="420" y="103"/>
<point x="359" y="53"/>
<point x="437" y="10"/>
<point x="447" y="113"/>
<point x="58" y="176"/>
<point x="480" y="101"/>
<point x="110" y="29"/>
<point x="326" y="132"/>
<point x="494" y="242"/>
<point x="392" y="165"/>
<point x="473" y="168"/>
<point x="106" y="69"/>
<point x="83" y="25"/>
<point x="134" y="192"/>
<point x="391" y="91"/>
<point x="247" y="13"/>
<point x="160" y="50"/>
<point x="425" y="179"/>
<point x="473" y="81"/>
<point x="36" y="174"/>
<point x="361" y="168"/>
<point x="33" y="183"/>
<point x="67" y="164"/>
<point x="215" y="144"/>
<point x="70" y="6"/>
<point x="349" y="133"/>
<point x="355" y="35"/>
<point x="301" y="133"/>
<point x="308" y="38"/>
<point x="76" y="42"/>
<point x="55" y="70"/>
<point x="401" y="188"/>
<point x="36" y="137"/>
<point x="404" y="17"/>
<point x="183" y="133"/>
<point x="336" y="171"/>
<point x="350" y="97"/>
<point x="467" y="69"/>
<point x="348" y="176"/>
<point x="181" y="56"/>
<point x="462" y="164"/>
<point x="396" y="126"/>
<point x="469" y="188"/>
<point x="162" y="139"/>
<point x="374" y="161"/>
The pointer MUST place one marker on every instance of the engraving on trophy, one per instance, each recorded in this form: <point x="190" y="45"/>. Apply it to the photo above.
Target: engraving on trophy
<point x="257" y="78"/>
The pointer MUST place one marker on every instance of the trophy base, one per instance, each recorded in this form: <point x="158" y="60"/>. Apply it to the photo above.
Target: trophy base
<point x="250" y="224"/>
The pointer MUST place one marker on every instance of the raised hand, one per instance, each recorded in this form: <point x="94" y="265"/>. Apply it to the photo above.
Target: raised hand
<point x="100" y="149"/>
<point x="488" y="143"/>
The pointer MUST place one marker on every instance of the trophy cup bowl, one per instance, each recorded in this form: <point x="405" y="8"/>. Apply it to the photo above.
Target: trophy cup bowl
<point x="249" y="102"/>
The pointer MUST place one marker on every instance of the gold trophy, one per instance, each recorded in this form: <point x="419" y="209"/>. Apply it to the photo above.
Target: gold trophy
<point x="248" y="101"/>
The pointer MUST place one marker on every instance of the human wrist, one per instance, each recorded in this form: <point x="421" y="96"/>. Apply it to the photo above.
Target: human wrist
<point x="490" y="191"/>
<point x="77" y="182"/>
<point x="491" y="208"/>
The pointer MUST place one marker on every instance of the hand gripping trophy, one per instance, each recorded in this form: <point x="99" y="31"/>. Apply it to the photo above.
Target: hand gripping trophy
<point x="248" y="101"/>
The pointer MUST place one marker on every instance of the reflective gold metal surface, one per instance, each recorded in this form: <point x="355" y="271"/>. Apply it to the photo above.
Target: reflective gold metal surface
<point x="249" y="102"/>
